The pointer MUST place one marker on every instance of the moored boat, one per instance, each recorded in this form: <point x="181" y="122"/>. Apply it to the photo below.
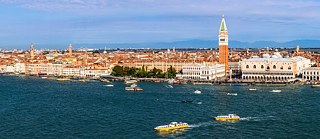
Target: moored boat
<point x="171" y="126"/>
<point x="315" y="86"/>
<point x="133" y="87"/>
<point x="229" y="117"/>
<point x="184" y="83"/>
<point x="252" y="89"/>
<point x="176" y="82"/>
<point x="130" y="81"/>
<point x="63" y="79"/>
<point x="104" y="80"/>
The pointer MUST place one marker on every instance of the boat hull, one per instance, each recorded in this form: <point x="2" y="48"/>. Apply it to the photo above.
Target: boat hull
<point x="170" y="128"/>
<point x="226" y="119"/>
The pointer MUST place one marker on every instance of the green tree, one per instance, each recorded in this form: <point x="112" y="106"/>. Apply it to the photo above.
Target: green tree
<point x="125" y="71"/>
<point x="132" y="72"/>
<point x="171" y="72"/>
<point x="156" y="72"/>
<point x="117" y="71"/>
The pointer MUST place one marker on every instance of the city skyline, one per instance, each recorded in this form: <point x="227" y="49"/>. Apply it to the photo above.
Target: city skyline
<point x="144" y="21"/>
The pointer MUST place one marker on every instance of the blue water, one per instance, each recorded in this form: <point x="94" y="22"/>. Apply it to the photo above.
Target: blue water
<point x="40" y="108"/>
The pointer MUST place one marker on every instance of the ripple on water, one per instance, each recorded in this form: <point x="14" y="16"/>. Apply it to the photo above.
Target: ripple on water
<point x="36" y="108"/>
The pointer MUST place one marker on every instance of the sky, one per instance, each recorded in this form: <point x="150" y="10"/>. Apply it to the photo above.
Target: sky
<point x="60" y="22"/>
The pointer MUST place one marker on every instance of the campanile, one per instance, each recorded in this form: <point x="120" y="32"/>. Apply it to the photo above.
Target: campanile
<point x="223" y="45"/>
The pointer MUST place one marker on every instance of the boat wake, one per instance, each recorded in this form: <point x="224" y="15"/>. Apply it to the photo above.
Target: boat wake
<point x="256" y="118"/>
<point x="202" y="124"/>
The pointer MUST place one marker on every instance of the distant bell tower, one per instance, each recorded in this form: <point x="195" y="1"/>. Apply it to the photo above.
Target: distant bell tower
<point x="31" y="50"/>
<point x="70" y="49"/>
<point x="223" y="44"/>
<point x="85" y="59"/>
<point x="297" y="49"/>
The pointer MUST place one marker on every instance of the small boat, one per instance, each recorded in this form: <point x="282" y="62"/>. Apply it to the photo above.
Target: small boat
<point x="229" y="117"/>
<point x="130" y="81"/>
<point x="184" y="83"/>
<point x="252" y="89"/>
<point x="186" y="101"/>
<point x="176" y="82"/>
<point x="232" y="94"/>
<point x="63" y="79"/>
<point x="171" y="126"/>
<point x="197" y="92"/>
<point x="276" y="91"/>
<point x="104" y="80"/>
<point x="133" y="87"/>
<point x="315" y="86"/>
<point x="109" y="85"/>
<point x="169" y="86"/>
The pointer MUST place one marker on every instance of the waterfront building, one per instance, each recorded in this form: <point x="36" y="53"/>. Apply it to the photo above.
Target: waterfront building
<point x="274" y="68"/>
<point x="196" y="71"/>
<point x="94" y="73"/>
<point x="71" y="71"/>
<point x="311" y="74"/>
<point x="44" y="68"/>
<point x="9" y="69"/>
<point x="163" y="64"/>
<point x="223" y="45"/>
<point x="235" y="69"/>
<point x="20" y="68"/>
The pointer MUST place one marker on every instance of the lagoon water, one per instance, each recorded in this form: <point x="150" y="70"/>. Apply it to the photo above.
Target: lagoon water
<point x="41" y="108"/>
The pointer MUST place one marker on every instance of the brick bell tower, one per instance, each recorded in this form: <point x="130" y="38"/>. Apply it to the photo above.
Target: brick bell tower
<point x="223" y="45"/>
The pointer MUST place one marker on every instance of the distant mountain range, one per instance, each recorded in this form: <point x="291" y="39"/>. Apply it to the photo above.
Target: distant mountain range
<point x="207" y="44"/>
<point x="177" y="44"/>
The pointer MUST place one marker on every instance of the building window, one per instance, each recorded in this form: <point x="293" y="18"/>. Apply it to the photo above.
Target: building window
<point x="274" y="67"/>
<point x="254" y="66"/>
<point x="268" y="67"/>
<point x="289" y="68"/>
<point x="262" y="66"/>
<point x="247" y="66"/>
<point x="281" y="67"/>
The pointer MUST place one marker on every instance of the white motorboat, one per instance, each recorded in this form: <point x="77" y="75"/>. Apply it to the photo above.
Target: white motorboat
<point x="232" y="94"/>
<point x="169" y="86"/>
<point x="197" y="92"/>
<point x="133" y="87"/>
<point x="109" y="85"/>
<point x="252" y="89"/>
<point x="275" y="91"/>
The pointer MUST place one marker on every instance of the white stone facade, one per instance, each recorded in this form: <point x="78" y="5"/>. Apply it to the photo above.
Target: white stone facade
<point x="275" y="68"/>
<point x="71" y="71"/>
<point x="311" y="74"/>
<point x="94" y="73"/>
<point x="201" y="72"/>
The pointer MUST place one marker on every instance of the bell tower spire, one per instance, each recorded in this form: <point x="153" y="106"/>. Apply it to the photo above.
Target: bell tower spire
<point x="223" y="44"/>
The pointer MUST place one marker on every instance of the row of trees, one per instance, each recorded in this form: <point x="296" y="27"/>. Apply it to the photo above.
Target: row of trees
<point x="143" y="73"/>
